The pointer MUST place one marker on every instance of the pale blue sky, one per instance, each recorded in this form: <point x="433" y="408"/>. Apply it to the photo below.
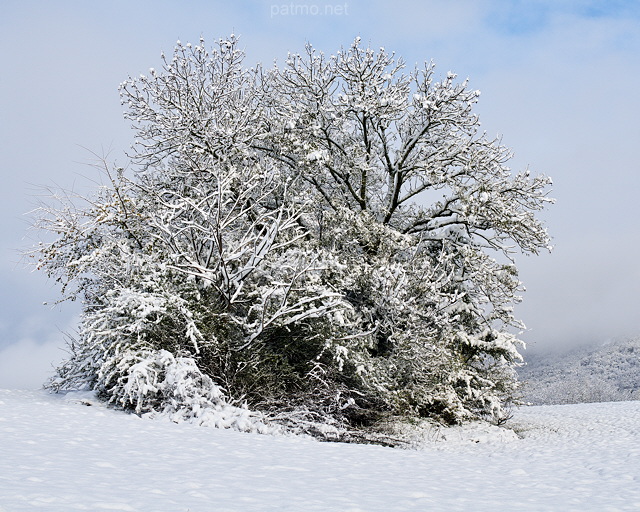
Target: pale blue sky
<point x="559" y="81"/>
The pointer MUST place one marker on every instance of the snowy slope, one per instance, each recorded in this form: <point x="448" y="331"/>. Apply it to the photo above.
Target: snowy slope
<point x="57" y="454"/>
<point x="600" y="373"/>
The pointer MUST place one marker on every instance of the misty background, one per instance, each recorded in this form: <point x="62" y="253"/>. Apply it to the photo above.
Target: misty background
<point x="559" y="83"/>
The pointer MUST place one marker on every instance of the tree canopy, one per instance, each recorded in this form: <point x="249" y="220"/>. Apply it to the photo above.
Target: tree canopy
<point x="330" y="242"/>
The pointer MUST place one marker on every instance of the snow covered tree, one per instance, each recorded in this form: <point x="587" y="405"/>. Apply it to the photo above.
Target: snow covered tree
<point x="330" y="242"/>
<point x="400" y="157"/>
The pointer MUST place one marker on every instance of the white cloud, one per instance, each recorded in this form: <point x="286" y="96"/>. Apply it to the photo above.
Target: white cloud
<point x="27" y="364"/>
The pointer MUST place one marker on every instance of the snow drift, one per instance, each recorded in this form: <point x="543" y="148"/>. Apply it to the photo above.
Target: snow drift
<point x="59" y="454"/>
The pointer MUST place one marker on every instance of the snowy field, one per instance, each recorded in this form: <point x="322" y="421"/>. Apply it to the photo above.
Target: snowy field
<point x="57" y="454"/>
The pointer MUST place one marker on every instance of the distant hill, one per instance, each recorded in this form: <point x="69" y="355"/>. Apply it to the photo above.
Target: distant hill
<point x="605" y="373"/>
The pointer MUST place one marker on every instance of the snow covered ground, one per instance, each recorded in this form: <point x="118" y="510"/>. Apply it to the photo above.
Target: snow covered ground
<point x="57" y="454"/>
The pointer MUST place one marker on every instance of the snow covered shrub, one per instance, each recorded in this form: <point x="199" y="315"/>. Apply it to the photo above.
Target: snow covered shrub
<point x="157" y="383"/>
<point x="330" y="241"/>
